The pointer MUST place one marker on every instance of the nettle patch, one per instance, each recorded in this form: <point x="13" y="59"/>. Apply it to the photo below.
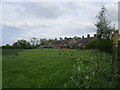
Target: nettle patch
<point x="94" y="72"/>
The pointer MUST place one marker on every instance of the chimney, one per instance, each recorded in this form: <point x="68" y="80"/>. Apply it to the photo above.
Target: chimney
<point x="95" y="35"/>
<point x="88" y="35"/>
<point x="55" y="39"/>
<point x="82" y="36"/>
<point x="65" y="38"/>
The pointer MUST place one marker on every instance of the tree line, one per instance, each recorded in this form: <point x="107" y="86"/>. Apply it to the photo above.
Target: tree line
<point x="35" y="43"/>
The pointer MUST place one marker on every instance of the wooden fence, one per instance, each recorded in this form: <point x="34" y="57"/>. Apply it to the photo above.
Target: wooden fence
<point x="118" y="58"/>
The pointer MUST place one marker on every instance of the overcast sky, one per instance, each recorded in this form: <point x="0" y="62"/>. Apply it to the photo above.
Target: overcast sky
<point x="22" y="20"/>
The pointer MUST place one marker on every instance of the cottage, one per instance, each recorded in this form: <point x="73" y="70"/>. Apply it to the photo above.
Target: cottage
<point x="83" y="41"/>
<point x="61" y="43"/>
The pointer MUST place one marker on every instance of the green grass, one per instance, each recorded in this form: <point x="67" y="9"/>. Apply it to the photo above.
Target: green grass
<point x="11" y="51"/>
<point x="37" y="68"/>
<point x="0" y="68"/>
<point x="41" y="68"/>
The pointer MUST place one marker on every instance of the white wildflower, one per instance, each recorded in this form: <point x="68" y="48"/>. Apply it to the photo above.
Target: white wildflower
<point x="78" y="59"/>
<point x="86" y="67"/>
<point x="65" y="85"/>
<point x="74" y="65"/>
<point x="78" y="68"/>
<point x="71" y="77"/>
<point x="87" y="77"/>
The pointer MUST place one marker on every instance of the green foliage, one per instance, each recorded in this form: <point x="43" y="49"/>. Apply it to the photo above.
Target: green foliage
<point x="91" y="44"/>
<point x="104" y="30"/>
<point x="44" y="42"/>
<point x="101" y="44"/>
<point x="75" y="38"/>
<point x="23" y="44"/>
<point x="7" y="46"/>
<point x="34" y="42"/>
<point x="94" y="72"/>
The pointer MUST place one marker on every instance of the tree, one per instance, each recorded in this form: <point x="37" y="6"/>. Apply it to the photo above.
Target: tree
<point x="50" y="41"/>
<point x="34" y="41"/>
<point x="43" y="41"/>
<point x="75" y="38"/>
<point x="104" y="30"/>
<point x="21" y="44"/>
<point x="7" y="46"/>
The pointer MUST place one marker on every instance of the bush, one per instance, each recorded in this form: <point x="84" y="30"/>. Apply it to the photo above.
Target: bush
<point x="7" y="46"/>
<point x="101" y="44"/>
<point x="91" y="44"/>
<point x="95" y="72"/>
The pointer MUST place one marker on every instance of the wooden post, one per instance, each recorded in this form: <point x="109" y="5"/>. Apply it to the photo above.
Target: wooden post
<point x="115" y="47"/>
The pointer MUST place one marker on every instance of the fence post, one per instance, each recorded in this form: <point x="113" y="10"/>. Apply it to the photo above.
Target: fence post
<point x="115" y="49"/>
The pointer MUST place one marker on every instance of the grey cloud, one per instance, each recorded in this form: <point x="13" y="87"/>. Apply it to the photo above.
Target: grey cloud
<point x="50" y="20"/>
<point x="44" y="10"/>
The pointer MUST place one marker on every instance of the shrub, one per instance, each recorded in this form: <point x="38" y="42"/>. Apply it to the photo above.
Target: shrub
<point x="101" y="44"/>
<point x="91" y="44"/>
<point x="7" y="46"/>
<point x="94" y="72"/>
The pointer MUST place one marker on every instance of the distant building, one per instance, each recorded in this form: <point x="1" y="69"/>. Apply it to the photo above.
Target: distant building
<point x="82" y="42"/>
<point x="46" y="46"/>
<point x="69" y="43"/>
<point x="61" y="43"/>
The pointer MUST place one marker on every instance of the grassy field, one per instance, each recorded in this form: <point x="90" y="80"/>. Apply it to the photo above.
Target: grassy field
<point x="41" y="68"/>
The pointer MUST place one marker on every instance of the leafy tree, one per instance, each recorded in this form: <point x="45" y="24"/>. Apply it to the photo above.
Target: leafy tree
<point x="43" y="41"/>
<point x="75" y="38"/>
<point x="50" y="41"/>
<point x="34" y="41"/>
<point x="21" y="44"/>
<point x="7" y="46"/>
<point x="104" y="30"/>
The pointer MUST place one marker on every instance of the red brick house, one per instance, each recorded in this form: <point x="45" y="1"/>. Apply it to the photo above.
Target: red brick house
<point x="61" y="43"/>
<point x="82" y="42"/>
